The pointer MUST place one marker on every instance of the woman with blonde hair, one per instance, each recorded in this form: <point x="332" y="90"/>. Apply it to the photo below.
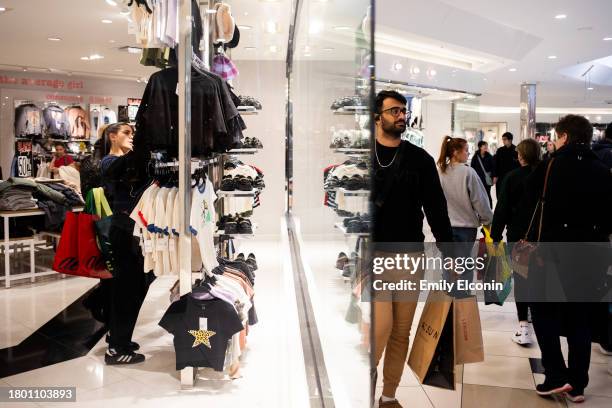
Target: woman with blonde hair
<point x="466" y="197"/>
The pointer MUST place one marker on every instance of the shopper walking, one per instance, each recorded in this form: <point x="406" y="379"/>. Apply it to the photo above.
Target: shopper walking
<point x="603" y="147"/>
<point x="482" y="162"/>
<point x="61" y="158"/>
<point x="505" y="217"/>
<point x="550" y="149"/>
<point x="577" y="204"/>
<point x="505" y="160"/>
<point x="127" y="289"/>
<point x="468" y="204"/>
<point x="405" y="184"/>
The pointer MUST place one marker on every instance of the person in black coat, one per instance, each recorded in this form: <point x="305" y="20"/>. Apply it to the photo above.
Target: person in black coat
<point x="504" y="161"/>
<point x="482" y="162"/>
<point x="603" y="147"/>
<point x="505" y="217"/>
<point x="575" y="253"/>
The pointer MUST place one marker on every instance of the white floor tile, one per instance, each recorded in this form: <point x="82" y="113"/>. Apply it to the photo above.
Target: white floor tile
<point x="498" y="371"/>
<point x="500" y="344"/>
<point x="497" y="321"/>
<point x="600" y="381"/>
<point x="13" y="333"/>
<point x="84" y="373"/>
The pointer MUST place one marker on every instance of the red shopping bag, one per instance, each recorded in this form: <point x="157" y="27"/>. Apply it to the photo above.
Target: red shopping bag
<point x="91" y="261"/>
<point x="67" y="254"/>
<point x="77" y="252"/>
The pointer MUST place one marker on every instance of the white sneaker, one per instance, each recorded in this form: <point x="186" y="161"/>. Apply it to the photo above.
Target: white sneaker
<point x="523" y="335"/>
<point x="604" y="351"/>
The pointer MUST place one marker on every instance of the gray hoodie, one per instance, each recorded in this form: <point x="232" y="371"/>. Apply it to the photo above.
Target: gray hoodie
<point x="467" y="200"/>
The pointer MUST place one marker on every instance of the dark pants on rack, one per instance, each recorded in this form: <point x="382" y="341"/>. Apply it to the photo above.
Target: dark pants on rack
<point x="128" y="288"/>
<point x="550" y="321"/>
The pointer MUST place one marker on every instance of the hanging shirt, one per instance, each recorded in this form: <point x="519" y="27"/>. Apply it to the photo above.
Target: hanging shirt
<point x="28" y="120"/>
<point x="201" y="331"/>
<point x="56" y="122"/>
<point x="202" y="222"/>
<point x="78" y="120"/>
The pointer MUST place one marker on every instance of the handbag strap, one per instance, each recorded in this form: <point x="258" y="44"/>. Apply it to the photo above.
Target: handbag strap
<point x="481" y="165"/>
<point x="540" y="204"/>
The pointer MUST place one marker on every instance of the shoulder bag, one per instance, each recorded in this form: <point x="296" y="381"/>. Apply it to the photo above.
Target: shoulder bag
<point x="523" y="250"/>
<point x="487" y="174"/>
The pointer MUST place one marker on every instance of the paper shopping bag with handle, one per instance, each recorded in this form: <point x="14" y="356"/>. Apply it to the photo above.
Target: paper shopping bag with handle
<point x="468" y="333"/>
<point x="432" y="357"/>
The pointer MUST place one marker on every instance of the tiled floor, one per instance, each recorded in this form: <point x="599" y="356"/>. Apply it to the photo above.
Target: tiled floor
<point x="272" y="371"/>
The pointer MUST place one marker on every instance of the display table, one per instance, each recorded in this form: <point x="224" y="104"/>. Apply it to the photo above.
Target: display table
<point x="6" y="215"/>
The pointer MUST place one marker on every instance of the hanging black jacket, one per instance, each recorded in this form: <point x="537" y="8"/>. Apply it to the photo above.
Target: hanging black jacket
<point x="603" y="150"/>
<point x="487" y="163"/>
<point x="505" y="160"/>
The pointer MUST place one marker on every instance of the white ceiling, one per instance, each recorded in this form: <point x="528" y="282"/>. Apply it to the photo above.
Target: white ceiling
<point x="505" y="34"/>
<point x="519" y="34"/>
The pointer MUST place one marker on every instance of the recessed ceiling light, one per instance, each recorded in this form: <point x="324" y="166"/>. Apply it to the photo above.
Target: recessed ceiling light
<point x="315" y="27"/>
<point x="561" y="16"/>
<point x="54" y="39"/>
<point x="432" y="72"/>
<point x="307" y="54"/>
<point x="607" y="39"/>
<point x="125" y="12"/>
<point x="273" y="48"/>
<point x="118" y="70"/>
<point x="85" y="58"/>
<point x="271" y="27"/>
<point x="342" y="28"/>
<point x="25" y="69"/>
<point x="590" y="88"/>
<point x="2" y="9"/>
<point x="245" y="27"/>
<point x="397" y="67"/>
<point x="111" y="2"/>
<point x="95" y="57"/>
<point x="211" y="11"/>
<point x="415" y="70"/>
<point x="134" y="50"/>
<point x="552" y="57"/>
<point x="250" y="48"/>
<point x="512" y="70"/>
<point x="107" y="21"/>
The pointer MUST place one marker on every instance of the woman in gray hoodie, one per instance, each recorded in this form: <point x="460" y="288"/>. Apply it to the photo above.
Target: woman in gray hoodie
<point x="466" y="197"/>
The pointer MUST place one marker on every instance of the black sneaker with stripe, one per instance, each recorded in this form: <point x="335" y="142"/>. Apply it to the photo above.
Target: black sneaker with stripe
<point x="116" y="357"/>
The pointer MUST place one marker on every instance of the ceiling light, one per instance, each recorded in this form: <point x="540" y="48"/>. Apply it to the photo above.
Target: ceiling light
<point x="342" y="28"/>
<point x="552" y="57"/>
<point x="484" y="79"/>
<point x="587" y="117"/>
<point x="25" y="69"/>
<point x="107" y="21"/>
<point x="315" y="27"/>
<point x="512" y="70"/>
<point x="397" y="67"/>
<point x="111" y="3"/>
<point x="54" y="39"/>
<point x="95" y="57"/>
<point x="590" y="88"/>
<point x="561" y="16"/>
<point x="138" y="80"/>
<point x="134" y="50"/>
<point x="118" y="70"/>
<point x="415" y="70"/>
<point x="607" y="39"/>
<point x="273" y="48"/>
<point x="271" y="27"/>
<point x="245" y="27"/>
<point x="598" y="118"/>
<point x="307" y="54"/>
<point x="85" y="58"/>
<point x="307" y="48"/>
<point x="125" y="12"/>
<point x="250" y="48"/>
<point x="432" y="72"/>
<point x="2" y="9"/>
<point x="211" y="11"/>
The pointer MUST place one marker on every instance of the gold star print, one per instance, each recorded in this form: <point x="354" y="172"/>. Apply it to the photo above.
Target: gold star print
<point x="202" y="337"/>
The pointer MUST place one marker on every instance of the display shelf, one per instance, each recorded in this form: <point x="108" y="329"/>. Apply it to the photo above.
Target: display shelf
<point x="71" y="140"/>
<point x="352" y="110"/>
<point x="236" y="193"/>
<point x="247" y="110"/>
<point x="237" y="235"/>
<point x="342" y="228"/>
<point x="249" y="150"/>
<point x="350" y="150"/>
<point x="350" y="193"/>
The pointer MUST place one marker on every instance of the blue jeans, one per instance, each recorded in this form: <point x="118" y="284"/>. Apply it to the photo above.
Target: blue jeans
<point x="464" y="244"/>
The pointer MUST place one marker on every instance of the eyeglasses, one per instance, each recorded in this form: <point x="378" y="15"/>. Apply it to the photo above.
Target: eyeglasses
<point x="395" y="111"/>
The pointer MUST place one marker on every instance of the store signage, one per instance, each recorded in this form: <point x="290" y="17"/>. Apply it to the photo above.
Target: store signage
<point x="93" y="99"/>
<point x="42" y="83"/>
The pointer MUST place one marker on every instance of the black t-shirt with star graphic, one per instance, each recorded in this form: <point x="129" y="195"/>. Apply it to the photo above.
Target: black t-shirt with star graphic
<point x="197" y="346"/>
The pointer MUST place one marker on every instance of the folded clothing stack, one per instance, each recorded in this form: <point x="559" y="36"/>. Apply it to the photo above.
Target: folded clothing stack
<point x="249" y="101"/>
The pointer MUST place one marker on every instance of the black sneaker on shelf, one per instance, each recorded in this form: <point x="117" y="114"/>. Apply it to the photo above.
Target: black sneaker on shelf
<point x="256" y="143"/>
<point x="240" y="257"/>
<point x="252" y="261"/>
<point x="354" y="227"/>
<point x="347" y="271"/>
<point x="133" y="345"/>
<point x="230" y="226"/>
<point x="355" y="183"/>
<point x="341" y="261"/>
<point x="243" y="183"/>
<point x="549" y="388"/>
<point x="245" y="226"/>
<point x="122" y="357"/>
<point x="228" y="184"/>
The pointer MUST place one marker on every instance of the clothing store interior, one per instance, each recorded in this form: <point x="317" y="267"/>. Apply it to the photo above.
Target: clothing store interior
<point x="185" y="193"/>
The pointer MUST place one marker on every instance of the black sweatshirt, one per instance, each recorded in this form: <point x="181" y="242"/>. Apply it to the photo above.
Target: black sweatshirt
<point x="416" y="188"/>
<point x="505" y="160"/>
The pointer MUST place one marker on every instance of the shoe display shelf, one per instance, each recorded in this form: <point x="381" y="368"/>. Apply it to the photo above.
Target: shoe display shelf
<point x="343" y="229"/>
